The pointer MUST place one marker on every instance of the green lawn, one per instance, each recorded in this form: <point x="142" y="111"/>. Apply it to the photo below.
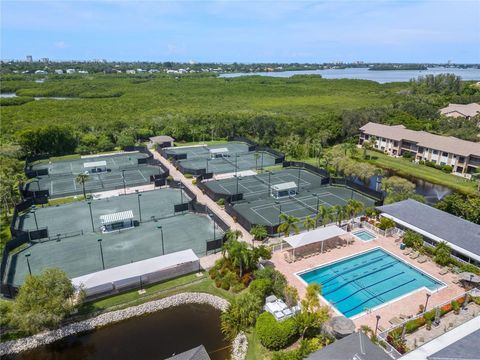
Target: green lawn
<point x="406" y="168"/>
<point x="255" y="349"/>
<point x="188" y="283"/>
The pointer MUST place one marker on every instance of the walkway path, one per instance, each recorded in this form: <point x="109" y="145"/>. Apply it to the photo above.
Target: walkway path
<point x="204" y="199"/>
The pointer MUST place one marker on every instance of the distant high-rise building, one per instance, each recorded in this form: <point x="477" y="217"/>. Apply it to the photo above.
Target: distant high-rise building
<point x="29" y="58"/>
<point x="45" y="60"/>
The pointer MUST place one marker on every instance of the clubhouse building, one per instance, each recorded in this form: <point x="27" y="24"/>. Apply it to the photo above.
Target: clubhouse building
<point x="435" y="225"/>
<point x="463" y="156"/>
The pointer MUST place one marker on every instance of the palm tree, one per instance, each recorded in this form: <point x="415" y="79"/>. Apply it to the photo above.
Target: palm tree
<point x="288" y="224"/>
<point x="309" y="223"/>
<point x="324" y="214"/>
<point x="259" y="232"/>
<point x="82" y="179"/>
<point x="354" y="207"/>
<point x="238" y="254"/>
<point x="233" y="235"/>
<point x="339" y="213"/>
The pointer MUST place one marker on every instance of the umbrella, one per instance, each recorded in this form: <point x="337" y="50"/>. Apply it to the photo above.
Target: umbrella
<point x="341" y="326"/>
<point x="470" y="277"/>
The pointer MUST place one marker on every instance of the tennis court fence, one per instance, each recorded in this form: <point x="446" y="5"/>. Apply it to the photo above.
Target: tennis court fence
<point x="378" y="196"/>
<point x="316" y="170"/>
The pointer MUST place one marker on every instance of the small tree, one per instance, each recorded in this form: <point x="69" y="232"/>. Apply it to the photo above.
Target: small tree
<point x="43" y="301"/>
<point x="325" y="215"/>
<point x="386" y="223"/>
<point x="442" y="253"/>
<point x="82" y="179"/>
<point x="313" y="315"/>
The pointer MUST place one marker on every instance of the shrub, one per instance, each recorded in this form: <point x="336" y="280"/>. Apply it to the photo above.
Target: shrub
<point x="169" y="178"/>
<point x="412" y="239"/>
<point x="275" y="335"/>
<point x="194" y="181"/>
<point x="225" y="285"/>
<point x="221" y="202"/>
<point x="261" y="287"/>
<point x="429" y="316"/>
<point x="277" y="279"/>
<point x="386" y="223"/>
<point x="447" y="168"/>
<point x="414" y="324"/>
<point x="188" y="176"/>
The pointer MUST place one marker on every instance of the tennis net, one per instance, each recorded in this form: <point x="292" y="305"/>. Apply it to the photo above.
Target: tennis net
<point x="304" y="204"/>
<point x="261" y="180"/>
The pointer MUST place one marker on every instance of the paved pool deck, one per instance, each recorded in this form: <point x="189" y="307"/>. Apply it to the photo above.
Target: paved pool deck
<point x="406" y="305"/>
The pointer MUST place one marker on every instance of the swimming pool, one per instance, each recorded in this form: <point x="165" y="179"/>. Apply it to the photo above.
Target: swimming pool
<point x="364" y="235"/>
<point x="367" y="280"/>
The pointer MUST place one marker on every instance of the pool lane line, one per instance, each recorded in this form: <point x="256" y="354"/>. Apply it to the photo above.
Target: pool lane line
<point x="364" y="288"/>
<point x="378" y="295"/>
<point x="375" y="260"/>
<point x="389" y="265"/>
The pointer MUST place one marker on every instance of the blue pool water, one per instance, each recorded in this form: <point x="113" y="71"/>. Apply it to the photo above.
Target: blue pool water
<point x="364" y="235"/>
<point x="367" y="280"/>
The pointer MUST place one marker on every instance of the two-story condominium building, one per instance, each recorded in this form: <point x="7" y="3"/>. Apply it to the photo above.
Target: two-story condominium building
<point x="463" y="156"/>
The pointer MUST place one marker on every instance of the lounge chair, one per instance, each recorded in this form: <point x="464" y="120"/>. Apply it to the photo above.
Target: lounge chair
<point x="444" y="271"/>
<point x="395" y="320"/>
<point x="422" y="259"/>
<point x="414" y="255"/>
<point x="407" y="251"/>
<point x="456" y="281"/>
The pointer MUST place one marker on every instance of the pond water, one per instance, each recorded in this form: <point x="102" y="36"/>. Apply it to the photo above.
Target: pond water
<point x="8" y="95"/>
<point x="12" y="95"/>
<point x="154" y="336"/>
<point x="433" y="193"/>
<point x="365" y="74"/>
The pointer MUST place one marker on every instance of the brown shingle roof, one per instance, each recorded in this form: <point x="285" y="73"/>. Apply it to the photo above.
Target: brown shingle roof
<point x="422" y="138"/>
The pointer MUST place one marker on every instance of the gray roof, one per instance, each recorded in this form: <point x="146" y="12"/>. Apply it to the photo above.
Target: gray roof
<point x="355" y="346"/>
<point x="467" y="348"/>
<point x="198" y="353"/>
<point x="161" y="139"/>
<point x="448" y="227"/>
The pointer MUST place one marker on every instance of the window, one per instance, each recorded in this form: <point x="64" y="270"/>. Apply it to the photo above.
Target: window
<point x="444" y="154"/>
<point x="461" y="159"/>
<point x="435" y="152"/>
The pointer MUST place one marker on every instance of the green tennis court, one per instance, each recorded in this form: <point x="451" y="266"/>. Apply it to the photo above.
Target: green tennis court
<point x="64" y="185"/>
<point x="73" y="246"/>
<point x="266" y="211"/>
<point x="253" y="187"/>
<point x="76" y="166"/>
<point x="230" y="157"/>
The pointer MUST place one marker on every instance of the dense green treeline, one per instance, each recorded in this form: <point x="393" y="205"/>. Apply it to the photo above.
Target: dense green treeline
<point x="110" y="111"/>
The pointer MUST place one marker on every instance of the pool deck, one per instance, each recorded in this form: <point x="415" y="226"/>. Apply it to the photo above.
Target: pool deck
<point x="406" y="305"/>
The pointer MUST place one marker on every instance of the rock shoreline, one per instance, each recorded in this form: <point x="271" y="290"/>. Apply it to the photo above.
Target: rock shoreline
<point x="239" y="345"/>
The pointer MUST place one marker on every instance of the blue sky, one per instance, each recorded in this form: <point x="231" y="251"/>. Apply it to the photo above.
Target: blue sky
<point x="243" y="31"/>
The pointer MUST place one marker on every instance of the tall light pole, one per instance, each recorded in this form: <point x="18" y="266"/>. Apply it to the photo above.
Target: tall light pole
<point x="426" y="302"/>
<point x="139" y="207"/>
<point x="236" y="166"/>
<point x="206" y="168"/>
<point x="299" y="170"/>
<point x="261" y="164"/>
<point x="269" y="181"/>
<point x="101" y="253"/>
<point x="237" y="183"/>
<point x="376" y="325"/>
<point x="280" y="212"/>
<point x="318" y="201"/>
<point x="33" y="211"/>
<point x="161" y="231"/>
<point x="91" y="215"/>
<point x="27" y="255"/>
<point x="214" y="234"/>
<point x="181" y="195"/>
<point x="124" y="185"/>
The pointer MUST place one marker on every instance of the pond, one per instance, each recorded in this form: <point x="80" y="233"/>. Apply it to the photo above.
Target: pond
<point x="154" y="336"/>
<point x="433" y="193"/>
